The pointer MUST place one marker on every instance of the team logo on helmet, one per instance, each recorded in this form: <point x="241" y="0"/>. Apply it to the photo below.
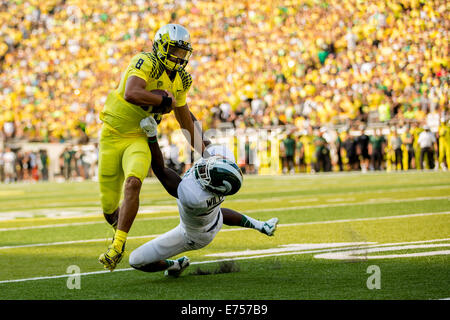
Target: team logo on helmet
<point x="218" y="175"/>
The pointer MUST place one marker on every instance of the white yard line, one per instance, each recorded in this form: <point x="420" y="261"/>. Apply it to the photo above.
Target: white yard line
<point x="80" y="224"/>
<point x="235" y="229"/>
<point x="75" y="212"/>
<point x="330" y="205"/>
<point x="364" y="219"/>
<point x="57" y="213"/>
<point x="336" y="193"/>
<point x="192" y="263"/>
<point x="218" y="260"/>
<point x="367" y="202"/>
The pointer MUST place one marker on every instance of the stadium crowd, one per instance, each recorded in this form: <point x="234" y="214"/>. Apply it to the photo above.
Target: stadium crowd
<point x="314" y="150"/>
<point x="76" y="163"/>
<point x="301" y="64"/>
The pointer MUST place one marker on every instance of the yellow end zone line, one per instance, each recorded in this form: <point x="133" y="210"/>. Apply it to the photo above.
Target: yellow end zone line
<point x="236" y="229"/>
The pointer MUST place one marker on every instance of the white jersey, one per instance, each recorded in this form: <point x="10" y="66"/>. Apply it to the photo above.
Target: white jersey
<point x="200" y="221"/>
<point x="199" y="209"/>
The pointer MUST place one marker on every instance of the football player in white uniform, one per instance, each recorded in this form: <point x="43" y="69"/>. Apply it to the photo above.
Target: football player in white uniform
<point x="199" y="195"/>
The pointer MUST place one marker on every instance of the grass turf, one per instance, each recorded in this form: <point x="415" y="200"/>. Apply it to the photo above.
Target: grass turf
<point x="307" y="206"/>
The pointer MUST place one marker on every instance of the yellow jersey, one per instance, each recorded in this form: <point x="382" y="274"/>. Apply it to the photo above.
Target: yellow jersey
<point x="124" y="117"/>
<point x="444" y="133"/>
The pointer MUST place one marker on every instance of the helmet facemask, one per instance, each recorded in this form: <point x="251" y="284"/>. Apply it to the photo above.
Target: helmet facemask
<point x="173" y="54"/>
<point x="201" y="171"/>
<point x="218" y="175"/>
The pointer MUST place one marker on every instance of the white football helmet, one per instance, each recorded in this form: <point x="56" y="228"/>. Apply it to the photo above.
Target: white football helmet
<point x="172" y="46"/>
<point x="218" y="175"/>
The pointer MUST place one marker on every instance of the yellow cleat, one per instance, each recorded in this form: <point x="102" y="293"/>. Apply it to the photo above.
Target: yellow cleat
<point x="111" y="258"/>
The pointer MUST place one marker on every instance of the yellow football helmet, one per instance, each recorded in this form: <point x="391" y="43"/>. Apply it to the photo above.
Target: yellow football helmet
<point x="172" y="46"/>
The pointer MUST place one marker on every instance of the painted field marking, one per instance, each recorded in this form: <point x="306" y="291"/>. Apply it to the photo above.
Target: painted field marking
<point x="9" y="193"/>
<point x="347" y="204"/>
<point x="83" y="212"/>
<point x="74" y="212"/>
<point x="70" y="224"/>
<point x="208" y="261"/>
<point x="235" y="229"/>
<point x="368" y="202"/>
<point x="288" y="248"/>
<point x="362" y="254"/>
<point x="359" y="246"/>
<point x="192" y="263"/>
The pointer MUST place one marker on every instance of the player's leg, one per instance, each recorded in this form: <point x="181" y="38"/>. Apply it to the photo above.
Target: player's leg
<point x="153" y="255"/>
<point x="112" y="218"/>
<point x="110" y="176"/>
<point x="135" y="164"/>
<point x="447" y="154"/>
<point x="441" y="152"/>
<point x="234" y="218"/>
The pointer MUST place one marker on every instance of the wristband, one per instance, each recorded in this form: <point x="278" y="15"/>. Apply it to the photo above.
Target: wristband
<point x="166" y="102"/>
<point x="152" y="140"/>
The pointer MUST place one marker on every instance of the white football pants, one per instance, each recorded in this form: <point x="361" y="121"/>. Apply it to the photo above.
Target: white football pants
<point x="172" y="243"/>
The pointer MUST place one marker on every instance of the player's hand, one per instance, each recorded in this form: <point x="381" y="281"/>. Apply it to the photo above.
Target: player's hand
<point x="174" y="102"/>
<point x="149" y="126"/>
<point x="164" y="109"/>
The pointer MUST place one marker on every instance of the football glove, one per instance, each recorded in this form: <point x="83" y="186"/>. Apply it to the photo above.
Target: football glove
<point x="149" y="126"/>
<point x="111" y="258"/>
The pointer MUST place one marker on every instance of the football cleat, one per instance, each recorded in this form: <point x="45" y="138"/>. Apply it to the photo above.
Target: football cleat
<point x="270" y="226"/>
<point x="111" y="258"/>
<point x="178" y="268"/>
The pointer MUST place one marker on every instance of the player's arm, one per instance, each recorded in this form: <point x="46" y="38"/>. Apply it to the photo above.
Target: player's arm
<point x="197" y="124"/>
<point x="191" y="131"/>
<point x="168" y="177"/>
<point x="136" y="93"/>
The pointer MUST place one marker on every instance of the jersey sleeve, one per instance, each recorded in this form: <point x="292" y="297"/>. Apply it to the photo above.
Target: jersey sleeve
<point x="140" y="66"/>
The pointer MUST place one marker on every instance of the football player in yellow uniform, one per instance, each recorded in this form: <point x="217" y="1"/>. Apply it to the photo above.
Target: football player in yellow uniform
<point x="309" y="148"/>
<point x="444" y="144"/>
<point x="415" y="131"/>
<point x="124" y="154"/>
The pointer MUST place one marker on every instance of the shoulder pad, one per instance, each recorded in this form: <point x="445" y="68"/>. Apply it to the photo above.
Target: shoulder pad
<point x="157" y="67"/>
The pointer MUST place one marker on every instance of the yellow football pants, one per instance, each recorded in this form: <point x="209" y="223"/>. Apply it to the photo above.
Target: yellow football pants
<point x="119" y="158"/>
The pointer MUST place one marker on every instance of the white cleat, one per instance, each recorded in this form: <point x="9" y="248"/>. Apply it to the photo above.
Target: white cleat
<point x="270" y="226"/>
<point x="182" y="264"/>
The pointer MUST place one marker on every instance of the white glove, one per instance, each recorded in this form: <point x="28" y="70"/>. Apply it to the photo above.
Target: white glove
<point x="149" y="126"/>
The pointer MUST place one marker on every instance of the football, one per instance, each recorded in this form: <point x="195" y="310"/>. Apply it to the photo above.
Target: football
<point x="158" y="92"/>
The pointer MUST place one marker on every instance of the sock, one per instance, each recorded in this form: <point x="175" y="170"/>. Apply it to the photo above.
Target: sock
<point x="119" y="239"/>
<point x="249" y="222"/>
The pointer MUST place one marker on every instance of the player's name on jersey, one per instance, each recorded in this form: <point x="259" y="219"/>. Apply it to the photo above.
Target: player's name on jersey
<point x="214" y="200"/>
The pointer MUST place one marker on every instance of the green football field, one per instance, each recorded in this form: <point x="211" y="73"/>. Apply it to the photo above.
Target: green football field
<point x="340" y="236"/>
